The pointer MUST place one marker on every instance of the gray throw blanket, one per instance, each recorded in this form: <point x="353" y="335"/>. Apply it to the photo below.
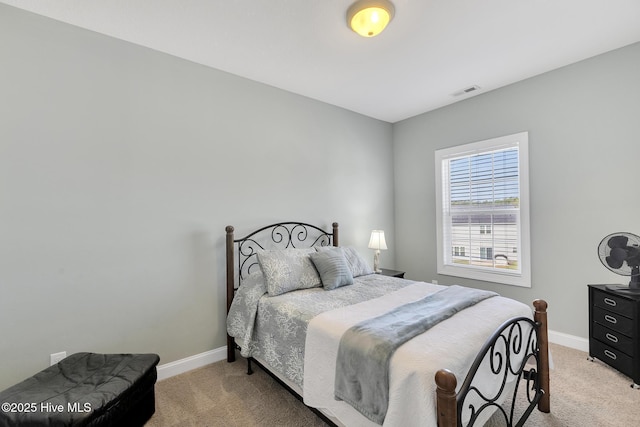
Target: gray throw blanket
<point x="362" y="365"/>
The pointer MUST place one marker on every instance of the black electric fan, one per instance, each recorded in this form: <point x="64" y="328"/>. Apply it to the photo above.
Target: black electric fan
<point x="620" y="253"/>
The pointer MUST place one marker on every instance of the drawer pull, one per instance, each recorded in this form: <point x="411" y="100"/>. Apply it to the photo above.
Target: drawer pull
<point x="610" y="354"/>
<point x="610" y="302"/>
<point x="611" y="338"/>
<point x="610" y="319"/>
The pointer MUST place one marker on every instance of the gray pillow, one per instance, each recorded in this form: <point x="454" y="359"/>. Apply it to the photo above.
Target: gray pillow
<point x="287" y="270"/>
<point x="357" y="264"/>
<point x="333" y="268"/>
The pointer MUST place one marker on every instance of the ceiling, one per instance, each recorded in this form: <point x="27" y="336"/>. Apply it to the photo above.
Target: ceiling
<point x="431" y="50"/>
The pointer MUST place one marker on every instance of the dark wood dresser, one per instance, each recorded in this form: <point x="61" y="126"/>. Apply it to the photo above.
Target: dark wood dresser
<point x="614" y="329"/>
<point x="392" y="273"/>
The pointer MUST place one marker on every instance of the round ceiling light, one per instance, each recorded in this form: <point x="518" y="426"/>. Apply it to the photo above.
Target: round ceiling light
<point x="369" y="17"/>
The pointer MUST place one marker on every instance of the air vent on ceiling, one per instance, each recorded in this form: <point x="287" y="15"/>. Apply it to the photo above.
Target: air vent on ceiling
<point x="468" y="90"/>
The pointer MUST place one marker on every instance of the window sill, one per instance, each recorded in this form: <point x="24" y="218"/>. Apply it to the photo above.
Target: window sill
<point x="522" y="280"/>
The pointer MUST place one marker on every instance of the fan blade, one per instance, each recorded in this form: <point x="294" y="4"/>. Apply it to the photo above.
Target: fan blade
<point x="618" y="242"/>
<point x="616" y="258"/>
<point x="613" y="263"/>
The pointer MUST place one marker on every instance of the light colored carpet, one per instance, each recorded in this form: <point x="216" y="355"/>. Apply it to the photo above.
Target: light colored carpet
<point x="583" y="394"/>
<point x="587" y="394"/>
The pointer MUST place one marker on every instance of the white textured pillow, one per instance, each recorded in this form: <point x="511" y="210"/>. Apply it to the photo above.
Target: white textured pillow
<point x="333" y="268"/>
<point x="287" y="270"/>
<point x="357" y="264"/>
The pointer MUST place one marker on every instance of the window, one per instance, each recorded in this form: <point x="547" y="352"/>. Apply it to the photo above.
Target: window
<point x="458" y="251"/>
<point x="486" y="253"/>
<point x="482" y="197"/>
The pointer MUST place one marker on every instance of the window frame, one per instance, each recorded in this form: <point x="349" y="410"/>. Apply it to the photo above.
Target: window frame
<point x="523" y="248"/>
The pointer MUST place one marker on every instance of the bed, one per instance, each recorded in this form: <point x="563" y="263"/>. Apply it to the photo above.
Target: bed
<point x="294" y="296"/>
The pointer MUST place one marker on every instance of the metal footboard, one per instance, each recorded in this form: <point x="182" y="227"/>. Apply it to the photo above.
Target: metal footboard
<point x="515" y="356"/>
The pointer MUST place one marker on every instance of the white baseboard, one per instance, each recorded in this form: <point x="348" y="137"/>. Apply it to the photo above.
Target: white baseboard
<point x="567" y="340"/>
<point x="181" y="366"/>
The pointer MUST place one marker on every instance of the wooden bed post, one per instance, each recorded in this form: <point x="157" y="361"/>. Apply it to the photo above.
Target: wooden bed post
<point x="543" y="342"/>
<point x="446" y="405"/>
<point x="231" y="344"/>
<point x="335" y="234"/>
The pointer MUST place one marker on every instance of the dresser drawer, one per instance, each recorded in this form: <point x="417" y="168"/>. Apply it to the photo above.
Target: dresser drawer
<point x="613" y="339"/>
<point x="613" y="321"/>
<point x="613" y="303"/>
<point x="612" y="357"/>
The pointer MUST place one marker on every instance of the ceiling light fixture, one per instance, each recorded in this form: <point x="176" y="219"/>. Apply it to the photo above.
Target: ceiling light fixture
<point x="369" y="17"/>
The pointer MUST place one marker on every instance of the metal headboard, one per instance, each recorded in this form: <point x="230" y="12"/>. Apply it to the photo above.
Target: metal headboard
<point x="282" y="235"/>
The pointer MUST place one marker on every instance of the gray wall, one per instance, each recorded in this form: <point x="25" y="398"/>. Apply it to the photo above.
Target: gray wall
<point x="120" y="168"/>
<point x="584" y="155"/>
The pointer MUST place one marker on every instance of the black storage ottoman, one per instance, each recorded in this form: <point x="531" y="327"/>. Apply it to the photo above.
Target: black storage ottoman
<point x="85" y="389"/>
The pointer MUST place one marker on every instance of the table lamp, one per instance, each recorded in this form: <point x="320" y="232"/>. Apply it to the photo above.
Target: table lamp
<point x="377" y="242"/>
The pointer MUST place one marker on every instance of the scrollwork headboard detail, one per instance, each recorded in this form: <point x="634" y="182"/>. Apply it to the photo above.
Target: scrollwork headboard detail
<point x="282" y="235"/>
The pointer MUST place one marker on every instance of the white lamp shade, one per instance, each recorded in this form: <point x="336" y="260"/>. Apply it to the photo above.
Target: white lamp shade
<point x="377" y="240"/>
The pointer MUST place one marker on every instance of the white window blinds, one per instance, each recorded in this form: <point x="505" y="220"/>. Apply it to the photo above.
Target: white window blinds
<point x="480" y="206"/>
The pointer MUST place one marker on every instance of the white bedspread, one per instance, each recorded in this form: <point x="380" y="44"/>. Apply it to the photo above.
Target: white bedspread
<point x="452" y="344"/>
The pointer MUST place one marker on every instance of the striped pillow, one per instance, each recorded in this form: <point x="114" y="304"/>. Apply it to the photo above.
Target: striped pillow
<point x="357" y="264"/>
<point x="333" y="268"/>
